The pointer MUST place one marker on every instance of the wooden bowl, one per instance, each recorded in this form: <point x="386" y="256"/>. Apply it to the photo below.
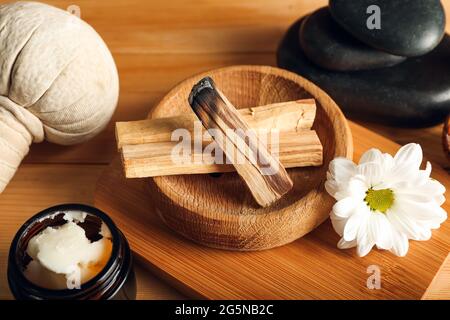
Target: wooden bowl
<point x="218" y="211"/>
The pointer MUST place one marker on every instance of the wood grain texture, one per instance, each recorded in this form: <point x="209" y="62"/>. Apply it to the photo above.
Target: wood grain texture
<point x="179" y="26"/>
<point x="283" y="116"/>
<point x="439" y="288"/>
<point x="146" y="146"/>
<point x="144" y="80"/>
<point x="309" y="268"/>
<point x="156" y="44"/>
<point x="39" y="186"/>
<point x="293" y="149"/>
<point x="34" y="188"/>
<point x="220" y="212"/>
<point x="139" y="26"/>
<point x="242" y="147"/>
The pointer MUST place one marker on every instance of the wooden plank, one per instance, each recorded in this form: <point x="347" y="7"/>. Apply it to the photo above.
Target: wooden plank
<point x="36" y="187"/>
<point x="134" y="26"/>
<point x="161" y="72"/>
<point x="283" y="116"/>
<point x="428" y="138"/>
<point x="295" y="149"/>
<point x="149" y="287"/>
<point x="310" y="268"/>
<point x="439" y="288"/>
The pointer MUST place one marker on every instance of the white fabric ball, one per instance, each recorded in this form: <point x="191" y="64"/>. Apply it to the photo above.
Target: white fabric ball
<point x="58" y="81"/>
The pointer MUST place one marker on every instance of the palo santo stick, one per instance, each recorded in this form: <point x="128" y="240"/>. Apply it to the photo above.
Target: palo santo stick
<point x="284" y="116"/>
<point x="264" y="175"/>
<point x="296" y="149"/>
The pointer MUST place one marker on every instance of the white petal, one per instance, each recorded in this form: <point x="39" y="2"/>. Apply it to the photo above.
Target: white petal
<point x="357" y="187"/>
<point x="439" y="200"/>
<point x="355" y="221"/>
<point x="364" y="240"/>
<point x="410" y="154"/>
<point x="331" y="187"/>
<point x="352" y="226"/>
<point x="372" y="171"/>
<point x="344" y="208"/>
<point x="424" y="235"/>
<point x="431" y="187"/>
<point x="372" y="155"/>
<point x="405" y="224"/>
<point x="427" y="170"/>
<point x="338" y="224"/>
<point x="401" y="176"/>
<point x="406" y="181"/>
<point x="342" y="169"/>
<point x="381" y="230"/>
<point x="384" y="160"/>
<point x="408" y="176"/>
<point x="420" y="211"/>
<point x="354" y="188"/>
<point x="406" y="166"/>
<point x="418" y="197"/>
<point x="342" y="244"/>
<point x="364" y="248"/>
<point x="400" y="244"/>
<point x="383" y="185"/>
<point x="423" y="176"/>
<point x="342" y="194"/>
<point x="388" y="162"/>
<point x="434" y="187"/>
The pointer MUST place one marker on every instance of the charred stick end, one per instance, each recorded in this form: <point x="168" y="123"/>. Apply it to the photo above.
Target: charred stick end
<point x="198" y="89"/>
<point x="203" y="99"/>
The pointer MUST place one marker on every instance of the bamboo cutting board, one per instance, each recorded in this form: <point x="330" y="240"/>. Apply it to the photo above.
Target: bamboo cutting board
<point x="180" y="39"/>
<point x="309" y="268"/>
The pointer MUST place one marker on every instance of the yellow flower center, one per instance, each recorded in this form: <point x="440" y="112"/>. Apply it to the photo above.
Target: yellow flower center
<point x="379" y="200"/>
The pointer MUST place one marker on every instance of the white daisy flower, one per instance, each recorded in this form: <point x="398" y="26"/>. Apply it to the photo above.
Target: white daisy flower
<point x="384" y="200"/>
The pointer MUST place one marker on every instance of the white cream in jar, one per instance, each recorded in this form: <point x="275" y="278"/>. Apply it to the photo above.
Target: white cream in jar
<point x="63" y="257"/>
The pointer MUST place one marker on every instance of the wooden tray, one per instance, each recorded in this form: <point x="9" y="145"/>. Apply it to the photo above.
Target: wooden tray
<point x="309" y="268"/>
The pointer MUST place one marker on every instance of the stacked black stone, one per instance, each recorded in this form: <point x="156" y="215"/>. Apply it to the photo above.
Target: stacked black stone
<point x="385" y="61"/>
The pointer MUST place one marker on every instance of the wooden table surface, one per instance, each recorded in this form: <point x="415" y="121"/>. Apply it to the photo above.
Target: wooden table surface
<point x="156" y="44"/>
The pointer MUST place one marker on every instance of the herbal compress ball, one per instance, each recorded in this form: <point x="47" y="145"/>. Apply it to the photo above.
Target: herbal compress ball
<point x="58" y="81"/>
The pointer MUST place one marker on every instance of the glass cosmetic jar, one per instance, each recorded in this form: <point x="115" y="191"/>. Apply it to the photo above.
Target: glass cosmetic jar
<point x="115" y="281"/>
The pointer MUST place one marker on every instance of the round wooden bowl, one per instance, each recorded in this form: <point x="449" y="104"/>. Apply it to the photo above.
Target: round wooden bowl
<point x="217" y="210"/>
